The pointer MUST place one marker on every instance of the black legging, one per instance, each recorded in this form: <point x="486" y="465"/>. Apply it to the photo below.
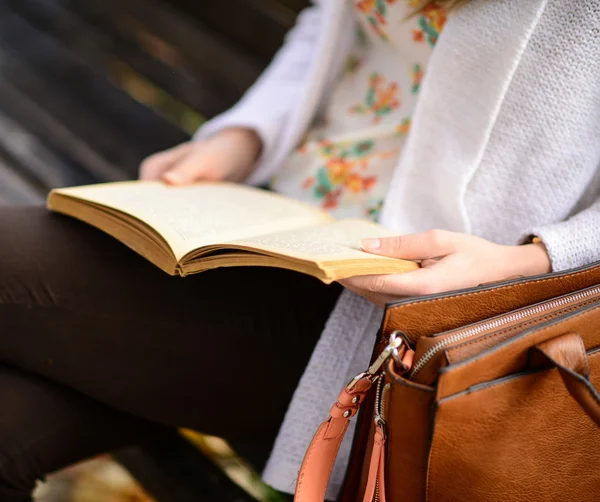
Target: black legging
<point x="99" y="349"/>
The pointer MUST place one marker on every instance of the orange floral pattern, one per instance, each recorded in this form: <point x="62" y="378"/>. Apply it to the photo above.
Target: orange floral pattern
<point x="344" y="170"/>
<point x="431" y="21"/>
<point x="346" y="161"/>
<point x="376" y="12"/>
<point x="382" y="98"/>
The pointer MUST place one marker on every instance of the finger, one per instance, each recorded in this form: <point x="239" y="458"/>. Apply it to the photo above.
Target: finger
<point x="154" y="166"/>
<point x="420" y="246"/>
<point x="193" y="167"/>
<point x="424" y="281"/>
<point x="378" y="299"/>
<point x="429" y="262"/>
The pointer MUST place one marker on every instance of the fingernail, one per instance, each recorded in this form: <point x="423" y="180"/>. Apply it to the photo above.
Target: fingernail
<point x="370" y="243"/>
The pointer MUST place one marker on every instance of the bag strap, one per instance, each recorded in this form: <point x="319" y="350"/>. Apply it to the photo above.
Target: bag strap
<point x="323" y="450"/>
<point x="567" y="353"/>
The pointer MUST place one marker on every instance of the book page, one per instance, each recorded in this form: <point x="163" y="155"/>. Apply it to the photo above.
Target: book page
<point x="336" y="241"/>
<point x="202" y="214"/>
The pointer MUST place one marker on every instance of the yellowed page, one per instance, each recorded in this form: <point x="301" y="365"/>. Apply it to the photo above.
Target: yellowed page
<point x="202" y="214"/>
<point x="335" y="241"/>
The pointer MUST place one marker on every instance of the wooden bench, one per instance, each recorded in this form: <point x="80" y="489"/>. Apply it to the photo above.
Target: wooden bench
<point x="91" y="87"/>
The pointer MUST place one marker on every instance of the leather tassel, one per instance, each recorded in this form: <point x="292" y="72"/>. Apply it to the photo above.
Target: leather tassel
<point x="376" y="479"/>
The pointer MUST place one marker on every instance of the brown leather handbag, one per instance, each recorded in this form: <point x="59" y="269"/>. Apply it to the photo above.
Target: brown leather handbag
<point x="487" y="394"/>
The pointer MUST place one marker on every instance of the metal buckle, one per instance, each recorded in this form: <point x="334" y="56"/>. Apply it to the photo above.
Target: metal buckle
<point x="397" y="340"/>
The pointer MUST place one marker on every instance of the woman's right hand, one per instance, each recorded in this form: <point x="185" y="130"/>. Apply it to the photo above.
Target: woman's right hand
<point x="230" y="154"/>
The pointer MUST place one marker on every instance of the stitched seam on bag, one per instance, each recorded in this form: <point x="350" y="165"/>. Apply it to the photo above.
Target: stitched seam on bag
<point x="594" y="393"/>
<point x="500" y="288"/>
<point x="309" y="453"/>
<point x="466" y="364"/>
<point x="498" y="382"/>
<point x="509" y="381"/>
<point x="547" y="317"/>
<point x="337" y="450"/>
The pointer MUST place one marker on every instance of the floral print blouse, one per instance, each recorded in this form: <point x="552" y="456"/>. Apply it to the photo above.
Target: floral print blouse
<point x="345" y="162"/>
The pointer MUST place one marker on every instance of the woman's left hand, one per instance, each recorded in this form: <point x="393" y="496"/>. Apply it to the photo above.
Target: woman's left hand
<point x="449" y="261"/>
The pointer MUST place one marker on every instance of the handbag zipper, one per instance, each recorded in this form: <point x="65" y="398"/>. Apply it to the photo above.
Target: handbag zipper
<point x="376" y="498"/>
<point x="375" y="491"/>
<point x="380" y="401"/>
<point x="380" y="416"/>
<point x="499" y="322"/>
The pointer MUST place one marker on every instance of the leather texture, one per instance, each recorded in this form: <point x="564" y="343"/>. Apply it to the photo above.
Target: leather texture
<point x="409" y="439"/>
<point x="512" y="356"/>
<point x="513" y="440"/>
<point x="376" y="473"/>
<point x="567" y="353"/>
<point x="506" y="408"/>
<point x="322" y="452"/>
<point x="428" y="315"/>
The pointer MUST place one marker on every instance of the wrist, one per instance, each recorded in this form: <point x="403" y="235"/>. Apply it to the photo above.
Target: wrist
<point x="249" y="139"/>
<point x="532" y="259"/>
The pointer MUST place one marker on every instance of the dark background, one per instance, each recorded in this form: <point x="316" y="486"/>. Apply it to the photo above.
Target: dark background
<point x="88" y="88"/>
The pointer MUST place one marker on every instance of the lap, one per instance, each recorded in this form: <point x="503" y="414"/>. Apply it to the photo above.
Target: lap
<point x="81" y="309"/>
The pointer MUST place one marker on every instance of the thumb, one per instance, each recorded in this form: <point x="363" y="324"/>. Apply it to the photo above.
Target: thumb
<point x="420" y="246"/>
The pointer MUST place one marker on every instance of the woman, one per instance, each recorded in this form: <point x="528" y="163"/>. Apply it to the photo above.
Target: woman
<point x="501" y="99"/>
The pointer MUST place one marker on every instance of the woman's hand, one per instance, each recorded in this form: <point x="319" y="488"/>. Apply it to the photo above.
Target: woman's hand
<point x="449" y="261"/>
<point x="228" y="155"/>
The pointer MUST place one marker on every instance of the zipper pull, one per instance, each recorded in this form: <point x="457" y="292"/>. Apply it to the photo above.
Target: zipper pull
<point x="375" y="490"/>
<point x="397" y="339"/>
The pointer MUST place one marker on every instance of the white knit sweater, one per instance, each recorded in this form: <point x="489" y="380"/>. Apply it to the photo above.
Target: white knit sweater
<point x="505" y="142"/>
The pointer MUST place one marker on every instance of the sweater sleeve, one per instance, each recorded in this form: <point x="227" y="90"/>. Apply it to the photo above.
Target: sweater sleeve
<point x="573" y="242"/>
<point x="268" y="103"/>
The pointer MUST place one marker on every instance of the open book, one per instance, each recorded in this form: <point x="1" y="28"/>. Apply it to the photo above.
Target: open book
<point x="184" y="230"/>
